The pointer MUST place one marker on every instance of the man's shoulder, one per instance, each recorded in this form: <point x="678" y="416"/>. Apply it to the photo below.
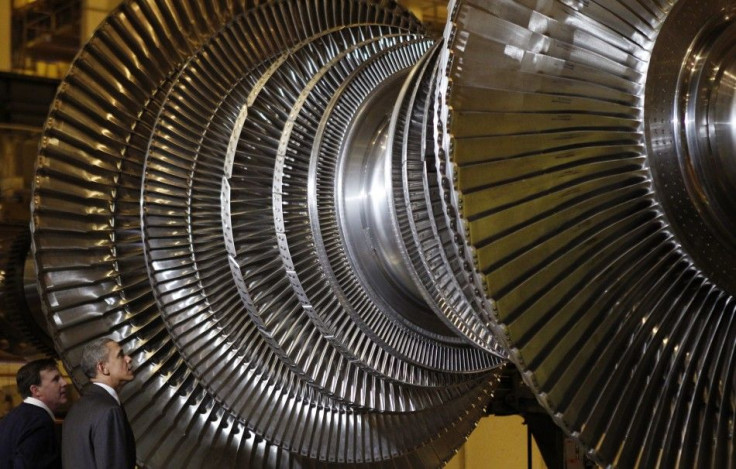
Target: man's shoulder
<point x="98" y="394"/>
<point x="25" y="416"/>
<point x="26" y="411"/>
<point x="94" y="399"/>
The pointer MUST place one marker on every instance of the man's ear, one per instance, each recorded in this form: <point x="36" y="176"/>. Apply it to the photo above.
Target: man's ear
<point x="34" y="390"/>
<point x="101" y="370"/>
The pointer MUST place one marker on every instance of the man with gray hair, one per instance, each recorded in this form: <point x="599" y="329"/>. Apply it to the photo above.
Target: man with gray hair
<point x="96" y="432"/>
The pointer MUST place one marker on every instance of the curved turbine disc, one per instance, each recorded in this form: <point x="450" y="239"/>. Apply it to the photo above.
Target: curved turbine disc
<point x="171" y="212"/>
<point x="591" y="149"/>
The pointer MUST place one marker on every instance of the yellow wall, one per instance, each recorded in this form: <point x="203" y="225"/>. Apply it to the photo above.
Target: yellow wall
<point x="5" y="9"/>
<point x="497" y="443"/>
<point x="93" y="12"/>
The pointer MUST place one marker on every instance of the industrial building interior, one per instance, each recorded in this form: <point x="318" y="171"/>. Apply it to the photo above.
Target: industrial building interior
<point x="358" y="233"/>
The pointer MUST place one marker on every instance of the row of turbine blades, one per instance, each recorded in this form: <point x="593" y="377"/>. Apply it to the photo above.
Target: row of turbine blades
<point x="321" y="234"/>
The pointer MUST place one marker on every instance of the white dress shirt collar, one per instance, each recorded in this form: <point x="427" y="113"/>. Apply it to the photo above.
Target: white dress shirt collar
<point x="37" y="403"/>
<point x="109" y="389"/>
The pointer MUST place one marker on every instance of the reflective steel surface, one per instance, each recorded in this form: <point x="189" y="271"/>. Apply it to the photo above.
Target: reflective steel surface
<point x="320" y="233"/>
<point x="197" y="198"/>
<point x="590" y="145"/>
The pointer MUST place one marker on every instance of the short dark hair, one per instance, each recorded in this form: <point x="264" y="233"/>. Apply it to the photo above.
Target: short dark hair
<point x="30" y="374"/>
<point x="93" y="353"/>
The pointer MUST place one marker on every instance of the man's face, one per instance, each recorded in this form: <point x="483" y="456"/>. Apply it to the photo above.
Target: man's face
<point x="118" y="365"/>
<point x="52" y="390"/>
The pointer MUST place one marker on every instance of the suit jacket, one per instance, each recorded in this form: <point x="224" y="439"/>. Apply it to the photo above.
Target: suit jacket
<point x="96" y="433"/>
<point x="28" y="439"/>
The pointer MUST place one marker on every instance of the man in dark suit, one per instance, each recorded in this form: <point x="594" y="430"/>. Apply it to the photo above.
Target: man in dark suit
<point x="27" y="433"/>
<point x="96" y="432"/>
